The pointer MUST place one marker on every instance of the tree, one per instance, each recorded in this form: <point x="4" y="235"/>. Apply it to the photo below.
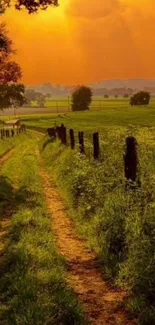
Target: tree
<point x="31" y="5"/>
<point x="81" y="98"/>
<point x="41" y="102"/>
<point x="126" y="95"/>
<point x="10" y="71"/>
<point x="140" y="98"/>
<point x="116" y="96"/>
<point x="11" y="95"/>
<point x="106" y="96"/>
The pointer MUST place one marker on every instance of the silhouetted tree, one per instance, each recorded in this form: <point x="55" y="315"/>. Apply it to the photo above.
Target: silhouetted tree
<point x="11" y="95"/>
<point x="81" y="98"/>
<point x="30" y="5"/>
<point x="140" y="98"/>
<point x="10" y="71"/>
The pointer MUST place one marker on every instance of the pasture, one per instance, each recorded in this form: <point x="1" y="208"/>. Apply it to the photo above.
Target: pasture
<point x="62" y="105"/>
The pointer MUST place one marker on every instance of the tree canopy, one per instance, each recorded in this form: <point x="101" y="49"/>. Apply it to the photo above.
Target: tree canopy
<point x="31" y="6"/>
<point x="81" y="98"/>
<point x="140" y="98"/>
<point x="11" y="93"/>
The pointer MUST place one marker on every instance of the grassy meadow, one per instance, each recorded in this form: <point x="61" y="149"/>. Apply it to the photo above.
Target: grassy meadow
<point x="117" y="222"/>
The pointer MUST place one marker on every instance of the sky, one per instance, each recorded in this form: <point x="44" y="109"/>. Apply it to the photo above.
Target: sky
<point x="85" y="41"/>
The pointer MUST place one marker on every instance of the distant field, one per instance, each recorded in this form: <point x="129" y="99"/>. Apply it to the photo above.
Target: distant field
<point x="62" y="106"/>
<point x="64" y="102"/>
<point x="108" y="117"/>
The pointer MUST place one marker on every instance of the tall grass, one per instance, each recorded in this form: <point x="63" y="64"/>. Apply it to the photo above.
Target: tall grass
<point x="118" y="221"/>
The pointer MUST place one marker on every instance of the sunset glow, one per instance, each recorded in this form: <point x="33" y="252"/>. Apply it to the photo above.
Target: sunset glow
<point x="86" y="41"/>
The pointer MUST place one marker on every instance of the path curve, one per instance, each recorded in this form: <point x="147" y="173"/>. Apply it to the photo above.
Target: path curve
<point x="100" y="301"/>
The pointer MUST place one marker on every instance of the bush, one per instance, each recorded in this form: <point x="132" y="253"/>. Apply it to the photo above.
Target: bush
<point x="81" y="98"/>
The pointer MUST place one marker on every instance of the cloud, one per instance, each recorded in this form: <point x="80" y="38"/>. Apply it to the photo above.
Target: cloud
<point x="94" y="9"/>
<point x="85" y="41"/>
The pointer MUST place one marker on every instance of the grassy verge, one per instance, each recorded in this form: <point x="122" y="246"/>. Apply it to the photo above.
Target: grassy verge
<point x="32" y="277"/>
<point x="118" y="222"/>
<point x="8" y="143"/>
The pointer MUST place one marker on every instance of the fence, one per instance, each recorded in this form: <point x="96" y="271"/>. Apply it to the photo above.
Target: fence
<point x="130" y="156"/>
<point x="6" y="133"/>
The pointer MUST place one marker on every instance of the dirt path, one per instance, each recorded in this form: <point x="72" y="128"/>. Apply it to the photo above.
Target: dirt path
<point x="101" y="303"/>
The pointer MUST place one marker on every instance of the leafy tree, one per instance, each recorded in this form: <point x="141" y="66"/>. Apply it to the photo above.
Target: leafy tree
<point x="106" y="96"/>
<point x="41" y="102"/>
<point x="10" y="71"/>
<point x="11" y="95"/>
<point x="33" y="95"/>
<point x="81" y="98"/>
<point x="31" y="5"/>
<point x="140" y="98"/>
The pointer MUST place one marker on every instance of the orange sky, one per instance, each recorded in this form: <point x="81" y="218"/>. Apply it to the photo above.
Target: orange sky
<point x="85" y="41"/>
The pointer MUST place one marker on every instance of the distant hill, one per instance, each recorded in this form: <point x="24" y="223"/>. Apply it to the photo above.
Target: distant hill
<point x="113" y="86"/>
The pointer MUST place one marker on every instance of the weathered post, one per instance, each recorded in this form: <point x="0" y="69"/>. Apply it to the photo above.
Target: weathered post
<point x="51" y="132"/>
<point x="96" y="147"/>
<point x="1" y="134"/>
<point x="64" y="135"/>
<point x="131" y="159"/>
<point x="81" y="142"/>
<point x="72" y="139"/>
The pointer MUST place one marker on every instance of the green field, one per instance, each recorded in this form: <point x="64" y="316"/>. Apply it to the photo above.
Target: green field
<point x="118" y="222"/>
<point x="142" y="116"/>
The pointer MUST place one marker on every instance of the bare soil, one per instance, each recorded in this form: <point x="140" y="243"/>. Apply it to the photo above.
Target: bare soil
<point x="102" y="303"/>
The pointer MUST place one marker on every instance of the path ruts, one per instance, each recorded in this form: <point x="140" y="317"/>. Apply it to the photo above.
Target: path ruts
<point x="6" y="156"/>
<point x="101" y="303"/>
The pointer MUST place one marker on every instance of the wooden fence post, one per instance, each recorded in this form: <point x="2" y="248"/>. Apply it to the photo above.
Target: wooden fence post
<point x="81" y="142"/>
<point x="96" y="147"/>
<point x="64" y="135"/>
<point x="51" y="132"/>
<point x="72" y="139"/>
<point x="131" y="159"/>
